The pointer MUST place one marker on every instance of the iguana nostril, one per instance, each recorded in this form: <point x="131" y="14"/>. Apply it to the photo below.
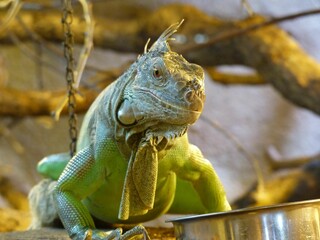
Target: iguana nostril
<point x="195" y="84"/>
<point x="189" y="96"/>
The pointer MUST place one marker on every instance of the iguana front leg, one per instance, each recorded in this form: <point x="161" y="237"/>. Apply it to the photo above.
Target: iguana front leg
<point x="199" y="189"/>
<point x="82" y="176"/>
<point x="207" y="183"/>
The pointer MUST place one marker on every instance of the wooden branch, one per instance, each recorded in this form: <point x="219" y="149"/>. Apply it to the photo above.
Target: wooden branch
<point x="276" y="57"/>
<point x="44" y="233"/>
<point x="241" y="31"/>
<point x="20" y="103"/>
<point x="276" y="161"/>
<point x="228" y="78"/>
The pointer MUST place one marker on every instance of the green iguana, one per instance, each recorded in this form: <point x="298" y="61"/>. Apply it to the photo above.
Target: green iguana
<point x="133" y="160"/>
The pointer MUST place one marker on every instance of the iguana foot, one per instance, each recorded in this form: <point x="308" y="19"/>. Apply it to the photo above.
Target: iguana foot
<point x="138" y="232"/>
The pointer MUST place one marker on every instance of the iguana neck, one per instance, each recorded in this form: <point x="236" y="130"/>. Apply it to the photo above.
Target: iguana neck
<point x="129" y="138"/>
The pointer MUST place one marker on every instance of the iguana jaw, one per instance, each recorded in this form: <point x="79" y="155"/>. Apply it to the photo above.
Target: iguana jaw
<point x="133" y="111"/>
<point x="161" y="136"/>
<point x="182" y="109"/>
<point x="129" y="115"/>
<point x="134" y="125"/>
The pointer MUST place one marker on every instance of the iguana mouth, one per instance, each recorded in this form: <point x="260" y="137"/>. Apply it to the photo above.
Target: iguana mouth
<point x="163" y="137"/>
<point x="168" y="133"/>
<point x="165" y="104"/>
<point x="171" y="133"/>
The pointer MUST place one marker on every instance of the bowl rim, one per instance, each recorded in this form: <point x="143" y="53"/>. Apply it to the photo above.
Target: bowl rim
<point x="249" y="210"/>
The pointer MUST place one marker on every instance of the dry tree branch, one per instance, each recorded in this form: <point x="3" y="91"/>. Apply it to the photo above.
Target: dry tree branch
<point x="238" y="32"/>
<point x="228" y="78"/>
<point x="21" y="103"/>
<point x="275" y="56"/>
<point x="276" y="161"/>
<point x="11" y="14"/>
<point x="125" y="27"/>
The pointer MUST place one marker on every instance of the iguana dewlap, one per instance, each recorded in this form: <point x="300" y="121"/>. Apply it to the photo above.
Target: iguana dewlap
<point x="133" y="160"/>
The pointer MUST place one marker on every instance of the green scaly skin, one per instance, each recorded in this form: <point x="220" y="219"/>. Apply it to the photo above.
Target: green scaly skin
<point x="139" y="123"/>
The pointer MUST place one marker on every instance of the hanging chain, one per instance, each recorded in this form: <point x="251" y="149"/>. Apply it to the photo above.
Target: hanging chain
<point x="67" y="17"/>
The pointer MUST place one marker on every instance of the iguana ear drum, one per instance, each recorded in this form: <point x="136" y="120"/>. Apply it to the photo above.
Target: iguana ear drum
<point x="125" y="114"/>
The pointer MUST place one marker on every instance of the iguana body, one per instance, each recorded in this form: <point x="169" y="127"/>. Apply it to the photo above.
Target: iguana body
<point x="134" y="161"/>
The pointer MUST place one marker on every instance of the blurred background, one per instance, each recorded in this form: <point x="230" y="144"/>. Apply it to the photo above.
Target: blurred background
<point x="250" y="117"/>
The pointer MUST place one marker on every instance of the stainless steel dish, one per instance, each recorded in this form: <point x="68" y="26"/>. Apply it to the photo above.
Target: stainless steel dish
<point x="292" y="221"/>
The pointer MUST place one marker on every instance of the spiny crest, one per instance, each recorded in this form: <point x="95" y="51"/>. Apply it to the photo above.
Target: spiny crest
<point x="161" y="45"/>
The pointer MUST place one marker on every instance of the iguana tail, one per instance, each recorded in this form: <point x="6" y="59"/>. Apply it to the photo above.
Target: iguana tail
<point x="41" y="200"/>
<point x="53" y="165"/>
<point x="42" y="206"/>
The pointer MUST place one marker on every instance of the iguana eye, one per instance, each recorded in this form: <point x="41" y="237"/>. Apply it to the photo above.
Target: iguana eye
<point x="157" y="74"/>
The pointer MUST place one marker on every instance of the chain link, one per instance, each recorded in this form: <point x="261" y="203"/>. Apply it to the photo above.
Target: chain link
<point x="67" y="17"/>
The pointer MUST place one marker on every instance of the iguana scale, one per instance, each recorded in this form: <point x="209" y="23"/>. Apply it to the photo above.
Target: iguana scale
<point x="133" y="160"/>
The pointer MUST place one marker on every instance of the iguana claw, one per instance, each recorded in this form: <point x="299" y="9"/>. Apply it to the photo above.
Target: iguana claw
<point x="134" y="233"/>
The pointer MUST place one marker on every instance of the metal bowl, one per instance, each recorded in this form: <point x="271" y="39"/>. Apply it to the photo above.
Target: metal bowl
<point x="291" y="221"/>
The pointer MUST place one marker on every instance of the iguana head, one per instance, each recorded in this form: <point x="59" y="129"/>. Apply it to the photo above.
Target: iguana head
<point x="166" y="94"/>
